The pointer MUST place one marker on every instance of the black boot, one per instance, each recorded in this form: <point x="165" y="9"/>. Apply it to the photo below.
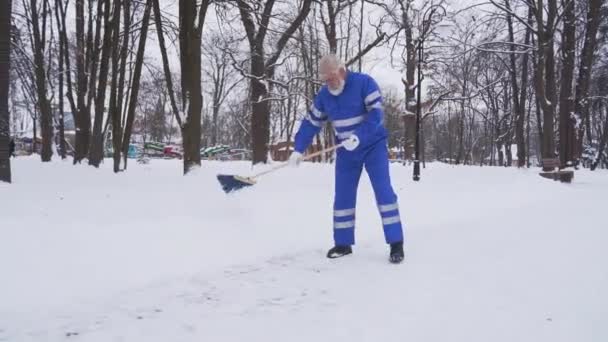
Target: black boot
<point x="396" y="255"/>
<point x="339" y="251"/>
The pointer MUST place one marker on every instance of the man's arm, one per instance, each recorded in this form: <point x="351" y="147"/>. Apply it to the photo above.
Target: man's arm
<point x="375" y="114"/>
<point x="311" y="125"/>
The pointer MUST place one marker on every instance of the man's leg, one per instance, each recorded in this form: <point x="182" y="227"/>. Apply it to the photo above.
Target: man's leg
<point x="377" y="167"/>
<point x="347" y="175"/>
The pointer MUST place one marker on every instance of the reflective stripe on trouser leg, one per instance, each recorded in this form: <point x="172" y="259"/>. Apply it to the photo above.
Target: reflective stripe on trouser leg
<point x="347" y="176"/>
<point x="377" y="166"/>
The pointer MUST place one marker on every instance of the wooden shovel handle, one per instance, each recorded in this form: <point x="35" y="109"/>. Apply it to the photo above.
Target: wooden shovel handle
<point x="307" y="157"/>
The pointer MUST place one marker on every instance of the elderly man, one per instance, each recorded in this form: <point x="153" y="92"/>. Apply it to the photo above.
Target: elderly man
<point x="353" y="103"/>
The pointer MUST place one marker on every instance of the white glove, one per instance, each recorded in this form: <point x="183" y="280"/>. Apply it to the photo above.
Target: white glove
<point x="351" y="142"/>
<point x="294" y="159"/>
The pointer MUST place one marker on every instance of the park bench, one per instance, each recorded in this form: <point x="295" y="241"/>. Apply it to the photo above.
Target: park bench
<point x="549" y="172"/>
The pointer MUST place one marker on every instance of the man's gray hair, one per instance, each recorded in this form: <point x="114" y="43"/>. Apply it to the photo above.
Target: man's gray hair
<point x="333" y="61"/>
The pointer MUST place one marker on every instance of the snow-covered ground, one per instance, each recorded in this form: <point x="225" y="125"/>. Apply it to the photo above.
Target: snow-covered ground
<point x="492" y="254"/>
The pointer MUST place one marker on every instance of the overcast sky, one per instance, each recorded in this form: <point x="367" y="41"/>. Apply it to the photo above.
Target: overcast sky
<point x="377" y="62"/>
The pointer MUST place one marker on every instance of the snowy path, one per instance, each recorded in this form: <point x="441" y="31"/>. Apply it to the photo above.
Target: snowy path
<point x="181" y="261"/>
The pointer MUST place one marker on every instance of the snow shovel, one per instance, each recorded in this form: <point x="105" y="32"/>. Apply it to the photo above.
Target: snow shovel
<point x="232" y="183"/>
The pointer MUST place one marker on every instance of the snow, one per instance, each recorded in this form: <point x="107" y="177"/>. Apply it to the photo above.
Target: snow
<point x="492" y="254"/>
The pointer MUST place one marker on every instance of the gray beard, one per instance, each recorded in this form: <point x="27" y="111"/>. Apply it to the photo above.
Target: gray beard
<point x="336" y="92"/>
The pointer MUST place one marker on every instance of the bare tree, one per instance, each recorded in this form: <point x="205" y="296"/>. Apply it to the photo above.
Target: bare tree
<point x="519" y="90"/>
<point x="82" y="116"/>
<point x="581" y="105"/>
<point x="262" y="66"/>
<point x="117" y="91"/>
<point x="97" y="140"/>
<point x="38" y="28"/>
<point x="191" y="22"/>
<point x="59" y="21"/>
<point x="221" y="74"/>
<point x="413" y="26"/>
<point x="330" y="20"/>
<point x="545" y="72"/>
<point x="135" y="82"/>
<point x="5" y="48"/>
<point x="567" y="134"/>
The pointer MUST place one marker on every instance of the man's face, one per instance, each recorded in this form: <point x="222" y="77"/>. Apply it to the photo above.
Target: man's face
<point x="333" y="76"/>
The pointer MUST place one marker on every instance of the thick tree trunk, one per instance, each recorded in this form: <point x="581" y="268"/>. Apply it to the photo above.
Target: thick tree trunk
<point x="62" y="147"/>
<point x="5" y="48"/>
<point x="523" y="146"/>
<point x="567" y="118"/>
<point x="119" y="60"/>
<point x="46" y="115"/>
<point x="545" y="76"/>
<point x="263" y="69"/>
<point x="519" y="106"/>
<point x="551" y="84"/>
<point x="60" y="65"/>
<point x="260" y="116"/>
<point x="93" y="47"/>
<point x="97" y="140"/>
<point x="82" y="118"/>
<point x="61" y="13"/>
<point x="192" y="100"/>
<point x="581" y="106"/>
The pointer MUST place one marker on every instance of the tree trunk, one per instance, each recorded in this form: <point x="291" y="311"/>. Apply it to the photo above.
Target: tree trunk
<point x="5" y="34"/>
<point x="46" y="115"/>
<point x="551" y="83"/>
<point x="581" y="106"/>
<point x="93" y="54"/>
<point x="119" y="61"/>
<point x="330" y="26"/>
<point x="97" y="140"/>
<point x="545" y="76"/>
<point x="61" y="13"/>
<point x="60" y="63"/>
<point x="215" y="115"/>
<point x="82" y="118"/>
<point x="260" y="116"/>
<point x="360" y="42"/>
<point x="190" y="58"/>
<point x="115" y="110"/>
<point x="118" y="131"/>
<point x="567" y="119"/>
<point x="523" y="146"/>
<point x="35" y="132"/>
<point x="460" y="155"/>
<point x="126" y="140"/>
<point x="165" y="59"/>
<point x="410" y="76"/>
<point x="62" y="147"/>
<point x="602" y="146"/>
<point x="263" y="69"/>
<point x="528" y="129"/>
<point x="519" y="106"/>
